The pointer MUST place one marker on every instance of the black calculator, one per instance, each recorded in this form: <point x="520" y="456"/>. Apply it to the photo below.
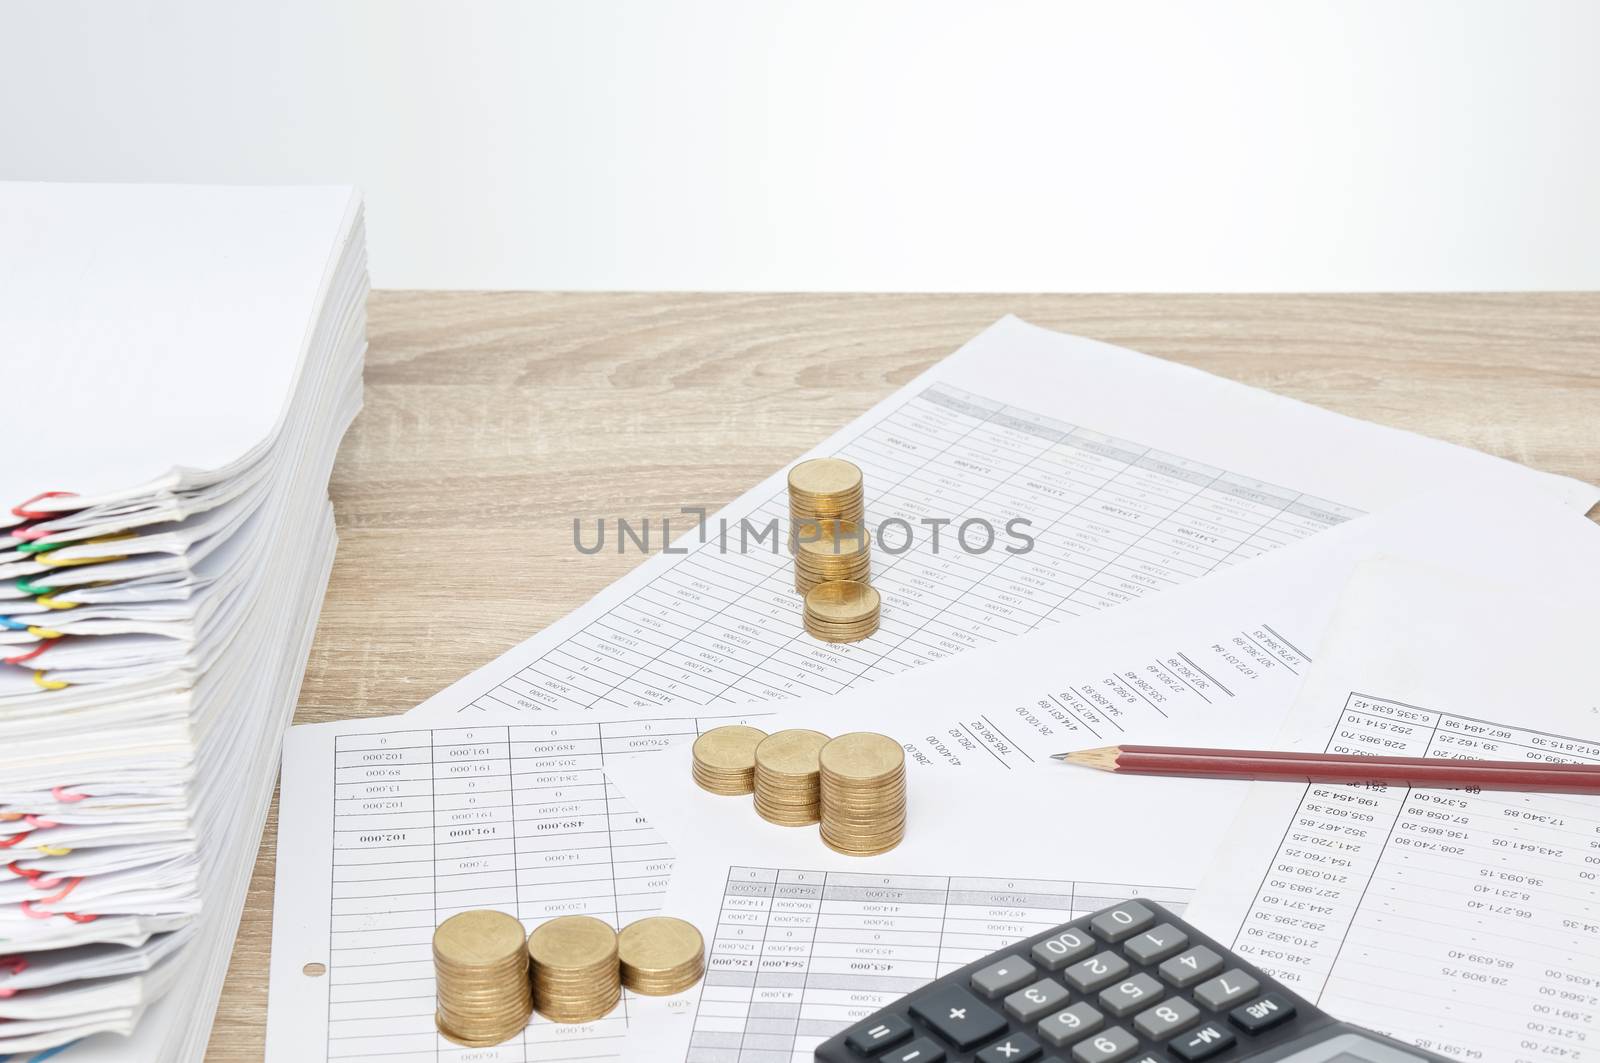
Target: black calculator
<point x="1130" y="984"/>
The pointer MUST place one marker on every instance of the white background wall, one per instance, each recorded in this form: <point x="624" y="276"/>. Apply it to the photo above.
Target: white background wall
<point x="741" y="144"/>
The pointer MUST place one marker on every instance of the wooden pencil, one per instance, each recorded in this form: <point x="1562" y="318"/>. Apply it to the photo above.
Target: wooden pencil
<point x="1528" y="776"/>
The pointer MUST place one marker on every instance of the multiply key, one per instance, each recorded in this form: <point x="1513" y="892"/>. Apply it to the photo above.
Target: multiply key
<point x="958" y="1016"/>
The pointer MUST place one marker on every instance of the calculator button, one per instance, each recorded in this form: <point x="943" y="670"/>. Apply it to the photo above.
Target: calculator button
<point x="1058" y="950"/>
<point x="888" y="1030"/>
<point x="1226" y="989"/>
<point x="1026" y="1005"/>
<point x="1166" y="1018"/>
<point x="1156" y="945"/>
<point x="1123" y="920"/>
<point x="1263" y="1014"/>
<point x="1018" y="1048"/>
<point x="1003" y="976"/>
<point x="1125" y="998"/>
<point x="958" y="1016"/>
<point x="1109" y="1046"/>
<point x="921" y="1050"/>
<point x="1101" y="969"/>
<point x="1187" y="968"/>
<point x="1065" y="1027"/>
<point x="1201" y="1043"/>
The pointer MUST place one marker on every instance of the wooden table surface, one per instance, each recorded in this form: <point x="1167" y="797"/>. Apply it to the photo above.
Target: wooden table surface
<point x="493" y="419"/>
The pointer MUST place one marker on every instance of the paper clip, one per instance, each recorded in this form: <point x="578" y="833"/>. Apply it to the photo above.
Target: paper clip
<point x="69" y="562"/>
<point x="60" y="794"/>
<point x="30" y="873"/>
<point x="29" y="532"/>
<point x="13" y="625"/>
<point x="33" y="588"/>
<point x="34" y="821"/>
<point x="34" y="547"/>
<point x="30" y="655"/>
<point x="49" y="684"/>
<point x="14" y="839"/>
<point x="43" y="632"/>
<point x="50" y="603"/>
<point x="71" y="885"/>
<point x="50" y="850"/>
<point x="19" y="509"/>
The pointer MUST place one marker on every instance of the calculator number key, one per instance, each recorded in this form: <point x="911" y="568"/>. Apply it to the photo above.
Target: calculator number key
<point x="1026" y="1005"/>
<point x="1065" y="1027"/>
<point x="1125" y="998"/>
<point x="1187" y="968"/>
<point x="1201" y="1043"/>
<point x="1109" y="1046"/>
<point x="1121" y="921"/>
<point x="1226" y="990"/>
<point x="1098" y="970"/>
<point x="1156" y="945"/>
<point x="1166" y="1019"/>
<point x="1058" y="950"/>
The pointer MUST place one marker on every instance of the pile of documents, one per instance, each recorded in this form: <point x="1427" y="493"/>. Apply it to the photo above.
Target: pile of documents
<point x="1196" y="549"/>
<point x="192" y="357"/>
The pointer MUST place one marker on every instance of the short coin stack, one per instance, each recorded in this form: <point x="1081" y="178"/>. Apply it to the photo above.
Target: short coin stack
<point x="481" y="975"/>
<point x="660" y="955"/>
<point x="787" y="779"/>
<point x="841" y="611"/>
<point x="576" y="976"/>
<point x="863" y="793"/>
<point x="725" y="759"/>
<point x="826" y="489"/>
<point x="827" y="550"/>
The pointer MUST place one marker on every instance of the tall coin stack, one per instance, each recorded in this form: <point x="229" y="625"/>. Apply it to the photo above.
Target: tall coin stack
<point x="481" y="975"/>
<point x="576" y="977"/>
<point x="863" y="793"/>
<point x="841" y="611"/>
<point x="787" y="777"/>
<point x="825" y="489"/>
<point x="660" y="955"/>
<point x="828" y="550"/>
<point x="725" y="759"/>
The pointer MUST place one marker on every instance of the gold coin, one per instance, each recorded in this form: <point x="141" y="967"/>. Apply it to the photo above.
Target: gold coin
<point x="791" y="752"/>
<point x="476" y="939"/>
<point x="842" y="602"/>
<point x="660" y="955"/>
<point x="724" y="758"/>
<point x="572" y="941"/>
<point x="825" y="542"/>
<point x="824" y="476"/>
<point x="861" y="756"/>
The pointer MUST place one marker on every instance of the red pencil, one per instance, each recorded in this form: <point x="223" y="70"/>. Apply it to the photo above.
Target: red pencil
<point x="1528" y="776"/>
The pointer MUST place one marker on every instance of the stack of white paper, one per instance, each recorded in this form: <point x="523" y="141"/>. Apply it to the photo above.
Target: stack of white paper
<point x="192" y="357"/>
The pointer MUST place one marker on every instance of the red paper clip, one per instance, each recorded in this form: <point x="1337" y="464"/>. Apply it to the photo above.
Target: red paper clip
<point x="14" y="839"/>
<point x="30" y="655"/>
<point x="20" y="509"/>
<point x="60" y="794"/>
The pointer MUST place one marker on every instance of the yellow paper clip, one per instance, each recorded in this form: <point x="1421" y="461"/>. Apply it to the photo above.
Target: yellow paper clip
<point x="50" y="603"/>
<point x="49" y="850"/>
<point x="49" y="684"/>
<point x="44" y="632"/>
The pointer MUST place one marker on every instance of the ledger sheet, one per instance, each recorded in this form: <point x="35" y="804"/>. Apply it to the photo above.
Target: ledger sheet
<point x="1134" y="475"/>
<point x="1467" y="922"/>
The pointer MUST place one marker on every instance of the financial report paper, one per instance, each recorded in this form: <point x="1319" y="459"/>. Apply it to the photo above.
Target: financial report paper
<point x="1467" y="922"/>
<point x="387" y="826"/>
<point x="1136" y="475"/>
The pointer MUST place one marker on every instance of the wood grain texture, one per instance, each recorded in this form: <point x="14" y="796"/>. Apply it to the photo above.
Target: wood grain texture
<point x="493" y="419"/>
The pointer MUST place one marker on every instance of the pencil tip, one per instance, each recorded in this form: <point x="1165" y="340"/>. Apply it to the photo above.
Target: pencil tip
<point x="1103" y="758"/>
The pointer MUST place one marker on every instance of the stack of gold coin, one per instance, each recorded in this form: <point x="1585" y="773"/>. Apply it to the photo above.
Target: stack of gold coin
<point x="826" y="489"/>
<point x="481" y="976"/>
<point x="575" y="973"/>
<point x="661" y="955"/>
<point x="827" y="550"/>
<point x="863" y="790"/>
<point x="841" y="611"/>
<point x="725" y="759"/>
<point x="787" y="777"/>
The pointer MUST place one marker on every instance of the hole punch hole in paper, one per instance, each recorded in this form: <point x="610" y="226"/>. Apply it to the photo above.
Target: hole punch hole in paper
<point x="314" y="970"/>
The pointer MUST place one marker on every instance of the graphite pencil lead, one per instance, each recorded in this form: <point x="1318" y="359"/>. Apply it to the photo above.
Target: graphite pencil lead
<point x="1103" y="758"/>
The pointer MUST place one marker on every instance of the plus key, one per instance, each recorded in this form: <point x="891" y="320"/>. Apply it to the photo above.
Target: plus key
<point x="958" y="1016"/>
